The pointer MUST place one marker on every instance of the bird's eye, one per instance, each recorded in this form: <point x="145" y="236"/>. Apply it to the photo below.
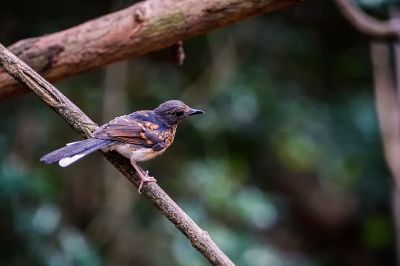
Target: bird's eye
<point x="179" y="113"/>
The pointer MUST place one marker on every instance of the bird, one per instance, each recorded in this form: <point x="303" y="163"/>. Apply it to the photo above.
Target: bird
<point x="139" y="136"/>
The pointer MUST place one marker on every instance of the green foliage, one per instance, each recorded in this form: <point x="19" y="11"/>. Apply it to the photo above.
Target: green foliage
<point x="285" y="167"/>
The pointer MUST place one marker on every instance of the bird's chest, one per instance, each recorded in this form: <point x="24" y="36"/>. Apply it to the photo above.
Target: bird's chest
<point x="167" y="136"/>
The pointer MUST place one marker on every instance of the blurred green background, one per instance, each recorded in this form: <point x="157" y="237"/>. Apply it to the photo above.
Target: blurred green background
<point x="285" y="168"/>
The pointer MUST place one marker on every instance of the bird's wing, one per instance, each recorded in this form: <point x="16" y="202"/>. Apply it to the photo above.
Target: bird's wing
<point x="130" y="129"/>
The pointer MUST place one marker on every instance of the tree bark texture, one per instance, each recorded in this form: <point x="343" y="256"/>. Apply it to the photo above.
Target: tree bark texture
<point x="144" y="27"/>
<point x="82" y="124"/>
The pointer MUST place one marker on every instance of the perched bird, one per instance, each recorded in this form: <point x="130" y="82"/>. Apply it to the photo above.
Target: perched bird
<point x="139" y="136"/>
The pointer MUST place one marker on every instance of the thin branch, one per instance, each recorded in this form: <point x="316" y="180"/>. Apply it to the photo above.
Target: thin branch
<point x="386" y="88"/>
<point x="365" y="23"/>
<point x="387" y="106"/>
<point x="82" y="124"/>
<point x="144" y="27"/>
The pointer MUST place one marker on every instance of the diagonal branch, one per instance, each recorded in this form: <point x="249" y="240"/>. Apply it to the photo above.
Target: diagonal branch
<point x="141" y="28"/>
<point x="82" y="124"/>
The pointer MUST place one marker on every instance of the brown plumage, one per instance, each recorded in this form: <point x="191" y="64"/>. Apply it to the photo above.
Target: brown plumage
<point x="139" y="136"/>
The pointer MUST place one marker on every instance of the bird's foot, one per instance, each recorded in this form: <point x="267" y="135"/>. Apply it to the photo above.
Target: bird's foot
<point x="145" y="178"/>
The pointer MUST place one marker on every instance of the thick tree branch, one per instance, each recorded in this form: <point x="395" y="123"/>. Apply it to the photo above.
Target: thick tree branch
<point x="367" y="24"/>
<point x="81" y="123"/>
<point x="144" y="27"/>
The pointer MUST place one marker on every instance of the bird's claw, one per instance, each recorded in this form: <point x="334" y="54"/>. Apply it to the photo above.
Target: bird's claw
<point x="145" y="179"/>
<point x="144" y="176"/>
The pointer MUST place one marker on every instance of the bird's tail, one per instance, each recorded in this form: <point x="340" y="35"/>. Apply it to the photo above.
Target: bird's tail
<point x="74" y="151"/>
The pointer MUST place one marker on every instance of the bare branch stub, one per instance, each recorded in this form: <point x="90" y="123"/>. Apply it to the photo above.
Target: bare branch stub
<point x="139" y="29"/>
<point x="178" y="53"/>
<point x="85" y="126"/>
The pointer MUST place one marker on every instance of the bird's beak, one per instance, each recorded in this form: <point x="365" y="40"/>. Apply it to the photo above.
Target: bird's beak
<point x="195" y="112"/>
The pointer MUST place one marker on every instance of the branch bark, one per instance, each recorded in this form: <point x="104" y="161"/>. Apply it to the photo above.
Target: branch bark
<point x="144" y="27"/>
<point x="82" y="124"/>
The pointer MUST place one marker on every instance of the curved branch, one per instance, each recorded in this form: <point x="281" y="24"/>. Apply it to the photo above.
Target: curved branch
<point x="365" y="23"/>
<point x="82" y="124"/>
<point x="144" y="27"/>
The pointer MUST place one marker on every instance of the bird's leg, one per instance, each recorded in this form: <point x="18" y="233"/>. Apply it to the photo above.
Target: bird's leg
<point x="144" y="175"/>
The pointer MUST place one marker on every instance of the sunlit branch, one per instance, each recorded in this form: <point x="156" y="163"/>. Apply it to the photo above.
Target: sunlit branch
<point x="141" y="28"/>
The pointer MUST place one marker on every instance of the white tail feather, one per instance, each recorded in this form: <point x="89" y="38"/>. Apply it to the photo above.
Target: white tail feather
<point x="69" y="144"/>
<point x="68" y="160"/>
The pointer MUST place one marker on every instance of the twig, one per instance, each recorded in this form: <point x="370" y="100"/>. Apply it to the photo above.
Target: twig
<point x="367" y="24"/>
<point x="82" y="124"/>
<point x="141" y="28"/>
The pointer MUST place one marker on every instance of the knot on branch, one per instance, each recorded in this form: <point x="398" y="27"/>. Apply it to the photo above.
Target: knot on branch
<point x="138" y="15"/>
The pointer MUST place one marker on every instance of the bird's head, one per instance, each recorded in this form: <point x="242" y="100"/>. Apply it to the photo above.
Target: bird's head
<point x="174" y="111"/>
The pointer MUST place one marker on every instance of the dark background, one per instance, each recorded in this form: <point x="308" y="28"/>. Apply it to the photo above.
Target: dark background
<point x="285" y="168"/>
